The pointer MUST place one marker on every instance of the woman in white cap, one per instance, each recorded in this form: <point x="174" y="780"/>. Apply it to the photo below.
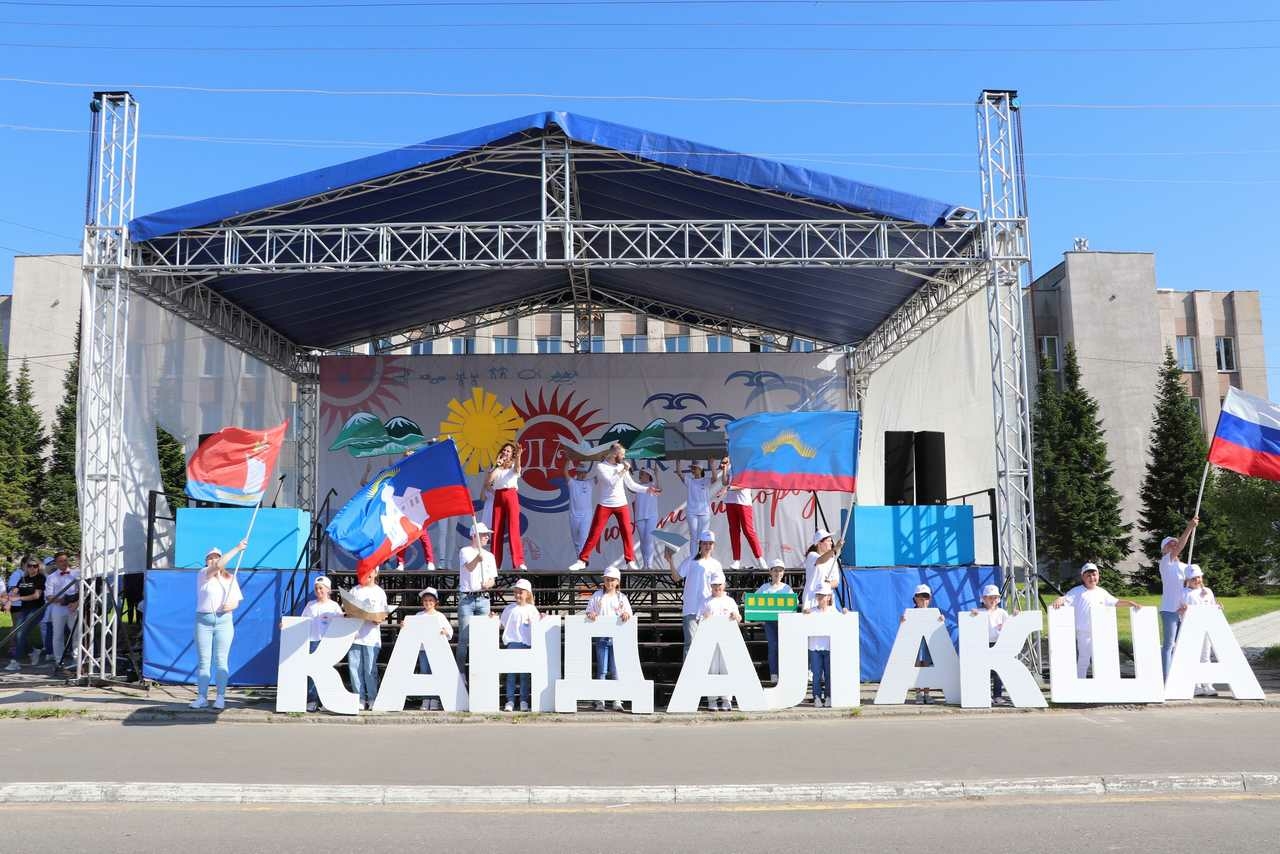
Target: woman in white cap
<point x="477" y="573"/>
<point x="820" y="651"/>
<point x="320" y="610"/>
<point x="719" y="604"/>
<point x="693" y="572"/>
<point x="646" y="515"/>
<point x="697" y="506"/>
<point x="996" y="618"/>
<point x="436" y="621"/>
<point x="613" y="479"/>
<point x="773" y="586"/>
<point x="1083" y="597"/>
<point x="1198" y="596"/>
<point x="922" y="598"/>
<point x="1173" y="575"/>
<point x="581" y="486"/>
<point x="502" y="488"/>
<point x="820" y="566"/>
<point x="517" y="633"/>
<point x="609" y="602"/>
<point x="217" y="596"/>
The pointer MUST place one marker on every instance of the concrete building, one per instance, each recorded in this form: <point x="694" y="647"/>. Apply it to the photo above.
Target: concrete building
<point x="1108" y="305"/>
<point x="40" y="325"/>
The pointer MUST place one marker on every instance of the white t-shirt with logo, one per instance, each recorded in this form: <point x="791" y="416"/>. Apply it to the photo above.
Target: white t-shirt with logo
<point x="719" y="606"/>
<point x="321" y="614"/>
<point x="373" y="599"/>
<point x="1173" y="573"/>
<point x="606" y="605"/>
<point x="517" y="623"/>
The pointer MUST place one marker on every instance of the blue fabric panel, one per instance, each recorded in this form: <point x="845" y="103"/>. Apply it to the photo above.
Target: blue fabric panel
<point x="278" y="537"/>
<point x="930" y="535"/>
<point x="881" y="595"/>
<point x="168" y="623"/>
<point x="655" y="147"/>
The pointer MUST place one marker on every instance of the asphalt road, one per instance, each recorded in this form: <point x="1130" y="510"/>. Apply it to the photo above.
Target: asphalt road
<point x="1203" y="825"/>
<point x="975" y="747"/>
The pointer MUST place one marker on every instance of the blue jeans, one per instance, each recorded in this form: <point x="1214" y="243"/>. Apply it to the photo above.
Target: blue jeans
<point x="312" y="695"/>
<point x="997" y="686"/>
<point x="820" y="667"/>
<point x="22" y="639"/>
<point x="689" y="620"/>
<point x="214" y="633"/>
<point x="771" y="637"/>
<point x="606" y="665"/>
<point x="525" y="692"/>
<point x="469" y="605"/>
<point x="1169" y="630"/>
<point x="362" y="664"/>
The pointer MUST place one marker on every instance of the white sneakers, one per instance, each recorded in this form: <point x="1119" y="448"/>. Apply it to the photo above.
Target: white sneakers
<point x="199" y="703"/>
<point x="631" y="564"/>
<point x="617" y="705"/>
<point x="819" y="703"/>
<point x="598" y="705"/>
<point x="35" y="658"/>
<point x="522" y="567"/>
<point x="737" y="564"/>
<point x="431" y="567"/>
<point x="578" y="566"/>
<point x="220" y="703"/>
<point x="722" y="704"/>
<point x="524" y="706"/>
<point x="311" y="707"/>
<point x="14" y="666"/>
<point x="509" y="707"/>
<point x="1204" y="689"/>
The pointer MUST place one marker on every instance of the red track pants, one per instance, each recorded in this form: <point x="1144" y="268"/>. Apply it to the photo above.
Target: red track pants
<point x="506" y="523"/>
<point x="741" y="522"/>
<point x="428" y="553"/>
<point x="623" y="515"/>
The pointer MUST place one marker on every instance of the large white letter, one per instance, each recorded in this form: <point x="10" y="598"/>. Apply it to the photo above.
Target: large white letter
<point x="1231" y="668"/>
<point x="541" y="661"/>
<point x="741" y="681"/>
<point x="400" y="681"/>
<point x="297" y="663"/>
<point x="794" y="631"/>
<point x="978" y="658"/>
<point x="901" y="673"/>
<point x="578" y="683"/>
<point x="1106" y="686"/>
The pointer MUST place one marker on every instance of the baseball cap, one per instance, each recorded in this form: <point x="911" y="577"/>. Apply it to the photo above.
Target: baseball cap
<point x="778" y="563"/>
<point x="707" y="537"/>
<point x="523" y="584"/>
<point x="715" y="576"/>
<point x="213" y="551"/>
<point x="820" y="535"/>
<point x="1165" y="543"/>
<point x="429" y="591"/>
<point x="1194" y="571"/>
<point x="612" y="572"/>
<point x="1088" y="567"/>
<point x="990" y="590"/>
<point x="323" y="581"/>
<point x="480" y="528"/>
<point x="923" y="590"/>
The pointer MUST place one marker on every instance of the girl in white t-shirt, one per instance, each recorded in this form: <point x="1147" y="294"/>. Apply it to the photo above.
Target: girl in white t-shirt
<point x="697" y="507"/>
<point x="429" y="599"/>
<point x="923" y="598"/>
<point x="502" y="503"/>
<point x="774" y="585"/>
<point x="820" y="651"/>
<point x="646" y="521"/>
<point x="608" y="603"/>
<point x="720" y="604"/>
<point x="517" y="633"/>
<point x="996" y="618"/>
<point x="821" y="566"/>
<point x="217" y="596"/>
<point x="320" y="610"/>
<point x="1198" y="596"/>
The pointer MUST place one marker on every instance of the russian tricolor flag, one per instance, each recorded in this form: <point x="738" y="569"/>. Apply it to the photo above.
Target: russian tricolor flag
<point x="1248" y="436"/>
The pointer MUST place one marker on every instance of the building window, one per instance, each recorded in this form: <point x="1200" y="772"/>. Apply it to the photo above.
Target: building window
<point x="677" y="344"/>
<point x="800" y="345"/>
<point x="549" y="344"/>
<point x="635" y="343"/>
<point x="211" y="364"/>
<point x="1186" y="353"/>
<point x="505" y="344"/>
<point x="420" y="348"/>
<point x="1195" y="402"/>
<point x="252" y="367"/>
<point x="719" y="344"/>
<point x="1049" y="352"/>
<point x="1226" y="348"/>
<point x="462" y="346"/>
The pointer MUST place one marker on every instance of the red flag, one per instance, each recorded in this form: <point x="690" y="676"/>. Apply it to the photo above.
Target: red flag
<point x="234" y="465"/>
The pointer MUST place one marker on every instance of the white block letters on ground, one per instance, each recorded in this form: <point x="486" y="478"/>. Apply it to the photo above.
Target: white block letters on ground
<point x="978" y="657"/>
<point x="1230" y="669"/>
<point x="297" y="663"/>
<point x="794" y="631"/>
<point x="578" y="683"/>
<point x="901" y="673"/>
<point x="541" y="661"/>
<point x="400" y="680"/>
<point x="695" y="681"/>
<point x="1106" y="686"/>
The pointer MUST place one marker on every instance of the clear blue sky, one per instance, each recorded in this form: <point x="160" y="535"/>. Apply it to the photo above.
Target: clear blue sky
<point x="1195" y="185"/>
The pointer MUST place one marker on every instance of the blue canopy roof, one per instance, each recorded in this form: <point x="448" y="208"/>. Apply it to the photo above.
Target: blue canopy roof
<point x="665" y="179"/>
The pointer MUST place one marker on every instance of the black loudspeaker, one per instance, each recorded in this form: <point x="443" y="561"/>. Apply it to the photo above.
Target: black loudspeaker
<point x="899" y="467"/>
<point x="931" y="468"/>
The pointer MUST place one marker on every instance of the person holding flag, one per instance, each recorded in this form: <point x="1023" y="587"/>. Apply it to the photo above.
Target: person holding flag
<point x="234" y="465"/>
<point x="1173" y="575"/>
<point x="217" y="596"/>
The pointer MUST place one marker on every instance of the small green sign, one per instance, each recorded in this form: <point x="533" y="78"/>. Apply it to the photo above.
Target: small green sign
<point x="765" y="607"/>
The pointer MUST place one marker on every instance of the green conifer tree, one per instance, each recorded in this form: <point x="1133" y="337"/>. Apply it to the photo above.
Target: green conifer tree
<point x="59" y="510"/>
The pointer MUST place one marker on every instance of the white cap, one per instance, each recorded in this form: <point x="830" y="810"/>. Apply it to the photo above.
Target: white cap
<point x="707" y="536"/>
<point x="323" y="581"/>
<point x="480" y="528"/>
<point x="820" y="535"/>
<point x="429" y="591"/>
<point x="1194" y="571"/>
<point x="778" y="563"/>
<point x="715" y="576"/>
<point x="523" y="584"/>
<point x="213" y="551"/>
<point x="1164" y="544"/>
<point x="990" y="590"/>
<point x="923" y="590"/>
<point x="824" y="589"/>
<point x="612" y="572"/>
<point x="1089" y="567"/>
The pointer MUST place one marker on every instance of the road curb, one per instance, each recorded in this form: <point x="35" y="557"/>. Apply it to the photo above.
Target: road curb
<point x="1243" y="782"/>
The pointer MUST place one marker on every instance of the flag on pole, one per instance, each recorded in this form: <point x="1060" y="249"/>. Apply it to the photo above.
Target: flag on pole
<point x="391" y="510"/>
<point x="1247" y="438"/>
<point x="234" y="465"/>
<point x="812" y="451"/>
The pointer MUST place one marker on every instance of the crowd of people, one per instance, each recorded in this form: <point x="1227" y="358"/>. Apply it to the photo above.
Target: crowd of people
<point x="40" y="598"/>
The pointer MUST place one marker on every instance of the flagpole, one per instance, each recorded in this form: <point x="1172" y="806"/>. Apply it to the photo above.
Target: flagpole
<point x="1191" y="550"/>
<point x="252" y="520"/>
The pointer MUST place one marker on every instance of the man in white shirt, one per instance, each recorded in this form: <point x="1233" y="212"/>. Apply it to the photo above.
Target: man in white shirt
<point x="613" y="479"/>
<point x="62" y="591"/>
<point x="1173" y="574"/>
<point x="477" y="572"/>
<point x="1083" y="597"/>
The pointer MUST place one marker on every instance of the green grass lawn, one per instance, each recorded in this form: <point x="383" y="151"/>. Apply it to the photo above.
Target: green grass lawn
<point x="1237" y="608"/>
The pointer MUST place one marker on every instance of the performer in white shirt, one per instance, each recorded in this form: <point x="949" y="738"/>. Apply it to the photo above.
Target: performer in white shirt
<point x="1173" y="573"/>
<point x="697" y="507"/>
<point x="501" y="487"/>
<point x="820" y="566"/>
<point x="718" y="604"/>
<point x="740" y="513"/>
<point x="613" y="478"/>
<point x="217" y="595"/>
<point x="996" y="618"/>
<point x="1083" y="597"/>
<point x="694" y="572"/>
<point x="1198" y="596"/>
<point x="581" y="485"/>
<point x="607" y="603"/>
<point x="477" y="573"/>
<point x="517" y="633"/>
<point x="646" y="515"/>
<point x="430" y="598"/>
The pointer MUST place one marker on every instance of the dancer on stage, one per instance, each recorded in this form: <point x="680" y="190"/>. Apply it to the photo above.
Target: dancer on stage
<point x="613" y="479"/>
<point x="738" y="510"/>
<point x="647" y="522"/>
<point x="581" y="486"/>
<point x="217" y="595"/>
<point x="697" y="507"/>
<point x="503" y="501"/>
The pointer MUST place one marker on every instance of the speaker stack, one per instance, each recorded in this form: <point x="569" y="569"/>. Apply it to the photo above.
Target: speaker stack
<point x="915" y="467"/>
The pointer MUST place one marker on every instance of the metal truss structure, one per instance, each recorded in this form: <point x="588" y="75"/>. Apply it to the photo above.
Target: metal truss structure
<point x="955" y="260"/>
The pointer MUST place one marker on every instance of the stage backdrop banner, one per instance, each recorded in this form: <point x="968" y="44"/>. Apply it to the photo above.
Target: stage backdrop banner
<point x="374" y="408"/>
<point x="881" y="595"/>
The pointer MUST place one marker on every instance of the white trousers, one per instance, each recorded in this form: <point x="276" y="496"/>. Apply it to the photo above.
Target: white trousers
<point x="579" y="527"/>
<point x="648" y="542"/>
<point x="698" y="522"/>
<point x="61" y="617"/>
<point x="1084" y="652"/>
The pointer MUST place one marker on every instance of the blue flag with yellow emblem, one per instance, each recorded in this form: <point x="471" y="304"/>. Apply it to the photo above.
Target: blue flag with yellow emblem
<point x="809" y="451"/>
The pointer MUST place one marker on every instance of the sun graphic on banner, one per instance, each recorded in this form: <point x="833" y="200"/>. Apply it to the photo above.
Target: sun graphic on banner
<point x="479" y="426"/>
<point x="546" y="422"/>
<point x="354" y="384"/>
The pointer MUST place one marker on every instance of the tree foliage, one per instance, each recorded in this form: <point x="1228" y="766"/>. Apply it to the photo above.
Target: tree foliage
<point x="59" y="511"/>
